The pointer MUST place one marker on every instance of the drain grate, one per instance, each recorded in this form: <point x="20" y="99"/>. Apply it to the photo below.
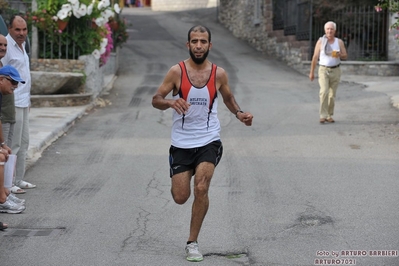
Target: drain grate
<point x="33" y="232"/>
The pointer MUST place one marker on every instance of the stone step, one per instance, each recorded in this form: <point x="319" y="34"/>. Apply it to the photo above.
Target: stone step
<point x="46" y="83"/>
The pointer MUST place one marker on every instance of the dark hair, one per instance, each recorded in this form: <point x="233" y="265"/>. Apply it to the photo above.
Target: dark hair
<point x="199" y="28"/>
<point x="13" y="17"/>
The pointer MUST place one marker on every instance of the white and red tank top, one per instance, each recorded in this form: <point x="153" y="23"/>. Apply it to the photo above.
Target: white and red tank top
<point x="200" y="125"/>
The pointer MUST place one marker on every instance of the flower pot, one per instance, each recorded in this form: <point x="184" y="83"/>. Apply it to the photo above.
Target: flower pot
<point x="94" y="25"/>
<point x="62" y="24"/>
<point x="113" y="25"/>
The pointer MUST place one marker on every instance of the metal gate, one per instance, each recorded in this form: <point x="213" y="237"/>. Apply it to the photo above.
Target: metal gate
<point x="363" y="30"/>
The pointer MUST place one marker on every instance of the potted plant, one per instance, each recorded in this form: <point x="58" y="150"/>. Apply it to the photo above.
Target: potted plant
<point x="120" y="34"/>
<point x="72" y="23"/>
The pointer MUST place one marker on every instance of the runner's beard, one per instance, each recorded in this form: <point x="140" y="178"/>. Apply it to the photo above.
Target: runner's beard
<point x="199" y="60"/>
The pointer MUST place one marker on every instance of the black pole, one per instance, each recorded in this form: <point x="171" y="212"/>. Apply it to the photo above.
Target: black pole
<point x="310" y="29"/>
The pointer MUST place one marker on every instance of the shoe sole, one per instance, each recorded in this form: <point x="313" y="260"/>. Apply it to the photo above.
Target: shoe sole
<point x="195" y="259"/>
<point x="11" y="211"/>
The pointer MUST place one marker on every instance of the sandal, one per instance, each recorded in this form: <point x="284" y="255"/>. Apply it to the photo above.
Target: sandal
<point x="25" y="185"/>
<point x="17" y="190"/>
<point x="3" y="226"/>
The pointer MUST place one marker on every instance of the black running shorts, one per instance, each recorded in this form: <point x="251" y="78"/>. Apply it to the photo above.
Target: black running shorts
<point x="182" y="160"/>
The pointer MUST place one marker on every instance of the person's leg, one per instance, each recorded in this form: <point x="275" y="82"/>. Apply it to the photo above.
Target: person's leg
<point x="6" y="127"/>
<point x="335" y="77"/>
<point x="181" y="187"/>
<point x="9" y="133"/>
<point x="20" y="141"/>
<point x="3" y="195"/>
<point x="323" y="93"/>
<point x="17" y="136"/>
<point x="202" y="181"/>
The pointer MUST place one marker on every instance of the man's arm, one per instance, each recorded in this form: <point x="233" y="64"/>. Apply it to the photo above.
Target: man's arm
<point x="228" y="98"/>
<point x="343" y="55"/>
<point x="170" y="83"/>
<point x="315" y="58"/>
<point x="3" y="147"/>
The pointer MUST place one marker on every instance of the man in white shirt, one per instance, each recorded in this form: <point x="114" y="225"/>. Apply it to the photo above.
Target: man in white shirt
<point x="329" y="51"/>
<point x="17" y="57"/>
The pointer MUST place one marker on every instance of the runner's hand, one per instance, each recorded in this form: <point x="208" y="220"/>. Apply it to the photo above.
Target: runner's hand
<point x="180" y="106"/>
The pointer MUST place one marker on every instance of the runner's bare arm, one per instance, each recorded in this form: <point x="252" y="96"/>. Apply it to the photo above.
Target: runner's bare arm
<point x="170" y="83"/>
<point x="228" y="98"/>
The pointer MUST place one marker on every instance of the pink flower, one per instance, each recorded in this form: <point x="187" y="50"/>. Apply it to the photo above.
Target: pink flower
<point x="108" y="47"/>
<point x="378" y="8"/>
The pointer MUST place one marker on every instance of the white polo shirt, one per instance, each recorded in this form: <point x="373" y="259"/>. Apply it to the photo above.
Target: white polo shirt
<point x="19" y="59"/>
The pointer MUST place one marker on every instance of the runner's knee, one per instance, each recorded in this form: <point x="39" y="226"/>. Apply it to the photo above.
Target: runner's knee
<point x="201" y="189"/>
<point x="180" y="198"/>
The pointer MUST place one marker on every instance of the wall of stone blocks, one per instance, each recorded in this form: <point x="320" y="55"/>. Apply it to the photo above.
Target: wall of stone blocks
<point x="57" y="65"/>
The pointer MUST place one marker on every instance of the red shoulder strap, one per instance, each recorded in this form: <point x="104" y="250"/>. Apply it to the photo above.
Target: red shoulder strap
<point x="212" y="86"/>
<point x="185" y="84"/>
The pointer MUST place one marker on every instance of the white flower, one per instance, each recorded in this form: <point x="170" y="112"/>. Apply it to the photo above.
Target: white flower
<point x="62" y="14"/>
<point x="102" y="50"/>
<point x="82" y="10"/>
<point x="96" y="54"/>
<point x="101" y="5"/>
<point x="76" y="13"/>
<point x="100" y="21"/>
<point x="106" y="14"/>
<point x="73" y="2"/>
<point x="66" y="7"/>
<point x="55" y="18"/>
<point x="104" y="42"/>
<point x="75" y="5"/>
<point x="117" y="8"/>
<point x="90" y="9"/>
<point x="106" y="2"/>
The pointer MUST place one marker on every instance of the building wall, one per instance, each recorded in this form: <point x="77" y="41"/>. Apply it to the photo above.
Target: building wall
<point x="239" y="17"/>
<point x="178" y="5"/>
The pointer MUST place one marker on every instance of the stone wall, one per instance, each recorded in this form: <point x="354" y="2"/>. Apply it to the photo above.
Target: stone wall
<point x="239" y="17"/>
<point x="57" y="65"/>
<point x="178" y="5"/>
<point x="66" y="76"/>
<point x="57" y="76"/>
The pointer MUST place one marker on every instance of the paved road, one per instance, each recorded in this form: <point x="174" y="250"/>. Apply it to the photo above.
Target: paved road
<point x="286" y="187"/>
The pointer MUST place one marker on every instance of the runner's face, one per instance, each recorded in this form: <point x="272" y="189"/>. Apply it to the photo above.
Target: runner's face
<point x="199" y="46"/>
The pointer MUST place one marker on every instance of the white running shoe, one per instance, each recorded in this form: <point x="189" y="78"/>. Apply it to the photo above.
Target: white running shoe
<point x="11" y="207"/>
<point x="15" y="199"/>
<point x="193" y="253"/>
